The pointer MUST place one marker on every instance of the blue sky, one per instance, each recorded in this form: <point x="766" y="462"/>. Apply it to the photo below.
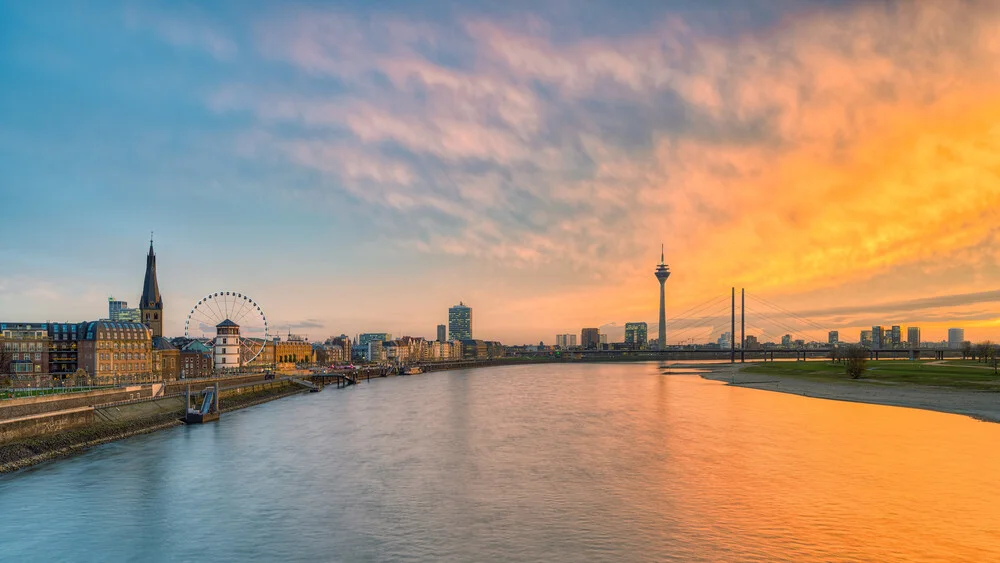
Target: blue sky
<point x="362" y="166"/>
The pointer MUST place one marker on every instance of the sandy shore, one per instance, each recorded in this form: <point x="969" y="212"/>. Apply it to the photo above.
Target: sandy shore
<point x="980" y="405"/>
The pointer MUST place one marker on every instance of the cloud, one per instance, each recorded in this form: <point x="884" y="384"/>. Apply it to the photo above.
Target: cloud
<point x="825" y="148"/>
<point x="188" y="31"/>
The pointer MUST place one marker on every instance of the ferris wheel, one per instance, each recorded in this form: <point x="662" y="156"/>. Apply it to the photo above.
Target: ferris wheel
<point x="230" y="309"/>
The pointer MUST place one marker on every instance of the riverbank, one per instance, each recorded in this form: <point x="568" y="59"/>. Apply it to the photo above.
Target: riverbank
<point x="819" y="382"/>
<point x="120" y="422"/>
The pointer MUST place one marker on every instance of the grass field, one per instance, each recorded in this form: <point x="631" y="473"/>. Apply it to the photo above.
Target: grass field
<point x="958" y="374"/>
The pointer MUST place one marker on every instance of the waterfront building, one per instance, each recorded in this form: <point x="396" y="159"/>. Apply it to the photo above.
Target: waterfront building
<point x="226" y="351"/>
<point x="266" y="358"/>
<point x="295" y="349"/>
<point x="833" y="337"/>
<point x="416" y="347"/>
<point x="151" y="304"/>
<point x="866" y="338"/>
<point x="956" y="336"/>
<point x="108" y="348"/>
<point x="374" y="351"/>
<point x="64" y="341"/>
<point x="442" y="333"/>
<point x="195" y="360"/>
<point x="636" y="335"/>
<point x="786" y="341"/>
<point x="662" y="273"/>
<point x="344" y="343"/>
<point x="481" y="349"/>
<point x="438" y="351"/>
<point x="28" y="346"/>
<point x="460" y="322"/>
<point x="752" y="343"/>
<point x="913" y="337"/>
<point x="367" y="337"/>
<point x="878" y="337"/>
<point x="394" y="352"/>
<point x="166" y="359"/>
<point x="590" y="338"/>
<point x="604" y="340"/>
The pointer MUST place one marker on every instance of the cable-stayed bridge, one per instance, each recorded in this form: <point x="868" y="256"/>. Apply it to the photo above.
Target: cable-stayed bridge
<point x="748" y="327"/>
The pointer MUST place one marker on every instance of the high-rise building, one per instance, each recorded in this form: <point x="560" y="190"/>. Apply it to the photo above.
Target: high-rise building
<point x="752" y="343"/>
<point x="604" y="340"/>
<point x="897" y="336"/>
<point x="786" y="341"/>
<point x="150" y="304"/>
<point x="115" y="307"/>
<point x="460" y="322"/>
<point x="833" y="337"/>
<point x="878" y="337"/>
<point x="636" y="335"/>
<point x="662" y="273"/>
<point x="566" y="340"/>
<point x="725" y="340"/>
<point x="866" y="338"/>
<point x="590" y="338"/>
<point x="913" y="337"/>
<point x="956" y="336"/>
<point x="442" y="333"/>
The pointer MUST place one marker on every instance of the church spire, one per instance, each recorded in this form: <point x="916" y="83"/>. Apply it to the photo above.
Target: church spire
<point x="150" y="289"/>
<point x="150" y="304"/>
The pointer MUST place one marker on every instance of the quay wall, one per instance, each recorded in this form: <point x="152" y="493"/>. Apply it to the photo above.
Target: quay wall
<point x="64" y="433"/>
<point x="44" y="423"/>
<point x="27" y="406"/>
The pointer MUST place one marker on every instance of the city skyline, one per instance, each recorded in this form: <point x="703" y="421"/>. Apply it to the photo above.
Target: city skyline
<point x="431" y="144"/>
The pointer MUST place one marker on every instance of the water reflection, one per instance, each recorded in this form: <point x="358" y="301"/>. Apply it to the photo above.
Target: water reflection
<point x="554" y="463"/>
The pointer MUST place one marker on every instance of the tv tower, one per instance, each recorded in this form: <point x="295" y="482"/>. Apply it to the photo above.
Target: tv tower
<point x="662" y="273"/>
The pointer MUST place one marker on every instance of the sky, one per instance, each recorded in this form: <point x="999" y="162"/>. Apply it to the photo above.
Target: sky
<point x="362" y="166"/>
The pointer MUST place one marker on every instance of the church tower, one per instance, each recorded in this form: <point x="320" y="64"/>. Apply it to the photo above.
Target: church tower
<point x="151" y="305"/>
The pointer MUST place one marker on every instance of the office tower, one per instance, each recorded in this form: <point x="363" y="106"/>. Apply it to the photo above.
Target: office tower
<point x="636" y="335"/>
<point x="460" y="322"/>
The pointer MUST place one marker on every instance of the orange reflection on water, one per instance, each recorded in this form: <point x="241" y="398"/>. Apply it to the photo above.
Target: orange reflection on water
<point x="792" y="477"/>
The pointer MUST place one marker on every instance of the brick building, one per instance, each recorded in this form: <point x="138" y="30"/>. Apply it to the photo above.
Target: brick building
<point x="109" y="348"/>
<point x="28" y="346"/>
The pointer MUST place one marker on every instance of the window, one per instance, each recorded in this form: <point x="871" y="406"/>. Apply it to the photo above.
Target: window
<point x="223" y="359"/>
<point x="225" y="341"/>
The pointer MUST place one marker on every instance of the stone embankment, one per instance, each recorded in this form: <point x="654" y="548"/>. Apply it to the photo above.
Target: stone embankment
<point x="41" y="436"/>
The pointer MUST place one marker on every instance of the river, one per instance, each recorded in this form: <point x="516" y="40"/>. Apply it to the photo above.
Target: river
<point x="608" y="462"/>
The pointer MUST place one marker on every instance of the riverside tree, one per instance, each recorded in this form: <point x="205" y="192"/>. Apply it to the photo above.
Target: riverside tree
<point x="855" y="358"/>
<point x="984" y="350"/>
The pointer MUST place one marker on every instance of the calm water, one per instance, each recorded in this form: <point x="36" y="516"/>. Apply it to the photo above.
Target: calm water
<point x="538" y="463"/>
